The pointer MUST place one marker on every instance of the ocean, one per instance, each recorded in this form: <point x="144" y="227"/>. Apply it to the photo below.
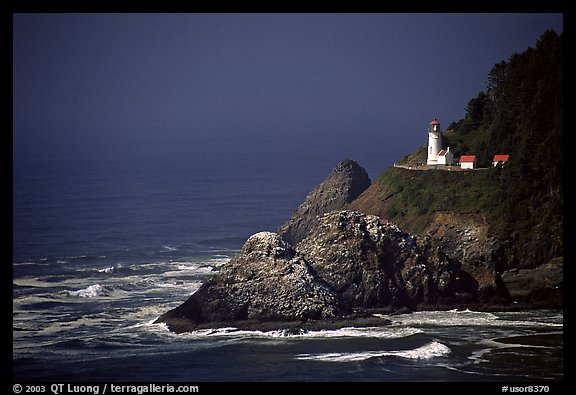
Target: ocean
<point x="105" y="243"/>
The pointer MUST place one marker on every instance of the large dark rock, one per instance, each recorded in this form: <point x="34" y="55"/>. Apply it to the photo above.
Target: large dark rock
<point x="267" y="282"/>
<point x="373" y="263"/>
<point x="346" y="182"/>
<point x="539" y="287"/>
<point x="349" y="260"/>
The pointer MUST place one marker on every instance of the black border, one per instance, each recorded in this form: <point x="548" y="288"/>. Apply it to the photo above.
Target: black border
<point x="10" y="7"/>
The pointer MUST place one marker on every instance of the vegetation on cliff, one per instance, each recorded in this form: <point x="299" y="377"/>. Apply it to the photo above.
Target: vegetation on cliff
<point x="410" y="198"/>
<point x="520" y="114"/>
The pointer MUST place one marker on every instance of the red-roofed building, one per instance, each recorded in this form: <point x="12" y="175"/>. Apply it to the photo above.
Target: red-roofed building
<point x="445" y="157"/>
<point x="468" y="161"/>
<point x="501" y="158"/>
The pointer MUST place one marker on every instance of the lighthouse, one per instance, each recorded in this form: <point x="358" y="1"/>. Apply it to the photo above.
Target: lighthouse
<point x="434" y="142"/>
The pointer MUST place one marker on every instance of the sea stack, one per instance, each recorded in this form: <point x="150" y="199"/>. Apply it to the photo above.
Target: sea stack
<point x="267" y="282"/>
<point x="346" y="182"/>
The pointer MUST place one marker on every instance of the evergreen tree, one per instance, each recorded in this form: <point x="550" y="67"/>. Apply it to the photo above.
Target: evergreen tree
<point x="521" y="114"/>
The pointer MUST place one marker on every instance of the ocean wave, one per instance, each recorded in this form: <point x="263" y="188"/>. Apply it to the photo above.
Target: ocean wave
<point x="469" y="318"/>
<point x="25" y="263"/>
<point x="187" y="266"/>
<point x="85" y="257"/>
<point x="219" y="260"/>
<point x="386" y="332"/>
<point x="141" y="269"/>
<point x="447" y="318"/>
<point x="35" y="282"/>
<point x="187" y="285"/>
<point x="92" y="291"/>
<point x="186" y="269"/>
<point x="428" y="351"/>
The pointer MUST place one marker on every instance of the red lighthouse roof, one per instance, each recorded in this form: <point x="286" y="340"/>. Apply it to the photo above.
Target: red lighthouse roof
<point x="434" y="122"/>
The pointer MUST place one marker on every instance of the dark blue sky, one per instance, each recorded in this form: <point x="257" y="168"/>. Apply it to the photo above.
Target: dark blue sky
<point x="93" y="82"/>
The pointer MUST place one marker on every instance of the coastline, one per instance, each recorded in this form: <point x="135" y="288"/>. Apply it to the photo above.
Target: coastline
<point x="364" y="318"/>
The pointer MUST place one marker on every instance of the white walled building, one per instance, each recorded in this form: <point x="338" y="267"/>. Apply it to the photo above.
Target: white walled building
<point x="437" y="155"/>
<point x="500" y="158"/>
<point x="468" y="161"/>
<point x="445" y="157"/>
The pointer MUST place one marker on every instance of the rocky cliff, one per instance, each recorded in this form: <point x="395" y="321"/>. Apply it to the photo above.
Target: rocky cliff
<point x="346" y="263"/>
<point x="346" y="182"/>
<point x="349" y="263"/>
<point x="540" y="287"/>
<point x="457" y="213"/>
<point x="267" y="281"/>
<point x="374" y="264"/>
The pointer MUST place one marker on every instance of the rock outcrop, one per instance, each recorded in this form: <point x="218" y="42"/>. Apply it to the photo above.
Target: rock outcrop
<point x="374" y="264"/>
<point x="350" y="260"/>
<point x="455" y="212"/>
<point x="267" y="281"/>
<point x="465" y="237"/>
<point x="346" y="182"/>
<point x="540" y="287"/>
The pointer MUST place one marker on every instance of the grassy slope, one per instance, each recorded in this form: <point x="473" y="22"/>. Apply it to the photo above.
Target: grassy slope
<point x="410" y="197"/>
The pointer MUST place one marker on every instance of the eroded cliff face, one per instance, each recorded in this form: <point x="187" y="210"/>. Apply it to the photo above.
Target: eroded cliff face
<point x="346" y="182"/>
<point x="454" y="212"/>
<point x="465" y="237"/>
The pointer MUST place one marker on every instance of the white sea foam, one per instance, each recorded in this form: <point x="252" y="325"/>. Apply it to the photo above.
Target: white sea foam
<point x="107" y="269"/>
<point x="185" y="266"/>
<point x="90" y="292"/>
<point x="447" y="318"/>
<point x="204" y="270"/>
<point x="489" y="345"/>
<point x="189" y="286"/>
<point x="385" y="332"/>
<point x="428" y="351"/>
<point x="25" y="263"/>
<point x="219" y="260"/>
<point x="179" y="268"/>
<point x="466" y="318"/>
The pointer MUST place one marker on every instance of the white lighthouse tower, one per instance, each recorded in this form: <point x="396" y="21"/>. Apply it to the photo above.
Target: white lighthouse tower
<point x="434" y="142"/>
